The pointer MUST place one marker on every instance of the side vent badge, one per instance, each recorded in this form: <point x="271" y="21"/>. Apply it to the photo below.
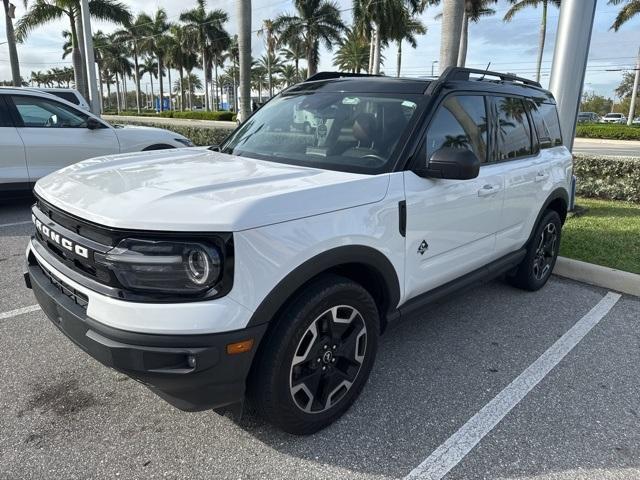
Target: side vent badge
<point x="424" y="246"/>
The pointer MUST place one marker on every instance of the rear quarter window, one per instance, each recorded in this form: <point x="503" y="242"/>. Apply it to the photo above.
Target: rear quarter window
<point x="68" y="96"/>
<point x="547" y="124"/>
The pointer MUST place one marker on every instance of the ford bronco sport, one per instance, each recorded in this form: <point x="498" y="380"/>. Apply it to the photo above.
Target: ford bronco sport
<point x="268" y="266"/>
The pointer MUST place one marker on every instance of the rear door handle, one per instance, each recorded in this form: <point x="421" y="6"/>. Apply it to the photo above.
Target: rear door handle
<point x="488" y="190"/>
<point x="541" y="176"/>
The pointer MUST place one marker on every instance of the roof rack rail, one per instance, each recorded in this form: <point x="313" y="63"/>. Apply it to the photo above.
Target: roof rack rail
<point x="462" y="73"/>
<point x="330" y="75"/>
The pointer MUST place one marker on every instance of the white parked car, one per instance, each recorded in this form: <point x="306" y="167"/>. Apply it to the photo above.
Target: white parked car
<point x="270" y="265"/>
<point x="614" y="118"/>
<point x="636" y="121"/>
<point x="41" y="133"/>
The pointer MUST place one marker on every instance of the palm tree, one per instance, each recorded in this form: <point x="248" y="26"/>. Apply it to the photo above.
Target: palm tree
<point x="289" y="74"/>
<point x="452" y="15"/>
<point x="180" y="52"/>
<point x="135" y="33"/>
<point x="352" y="54"/>
<point x="209" y="26"/>
<point x="244" y="54"/>
<point x="157" y="43"/>
<point x="150" y="66"/>
<point x="258" y="79"/>
<point x="294" y="52"/>
<point x="42" y="12"/>
<point x="474" y="10"/>
<point x="521" y="4"/>
<point x="627" y="12"/>
<point x="406" y="30"/>
<point x="272" y="64"/>
<point x="271" y="41"/>
<point x="100" y="40"/>
<point x="9" y="15"/>
<point x="315" y="22"/>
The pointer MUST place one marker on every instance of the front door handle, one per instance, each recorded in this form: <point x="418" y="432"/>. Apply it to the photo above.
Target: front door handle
<point x="488" y="190"/>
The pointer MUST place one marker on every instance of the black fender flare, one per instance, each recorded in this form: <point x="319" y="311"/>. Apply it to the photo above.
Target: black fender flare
<point x="349" y="254"/>
<point x="558" y="193"/>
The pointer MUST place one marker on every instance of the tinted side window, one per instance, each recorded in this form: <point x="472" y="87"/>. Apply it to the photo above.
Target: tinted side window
<point x="460" y="122"/>
<point x="42" y="112"/>
<point x="5" y="119"/>
<point x="514" y="131"/>
<point x="68" y="96"/>
<point x="545" y="119"/>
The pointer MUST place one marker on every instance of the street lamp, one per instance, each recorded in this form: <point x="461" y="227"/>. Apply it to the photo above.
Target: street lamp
<point x="433" y="64"/>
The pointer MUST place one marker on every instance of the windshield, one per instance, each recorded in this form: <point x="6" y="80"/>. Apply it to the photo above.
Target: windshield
<point x="613" y="115"/>
<point x="337" y="131"/>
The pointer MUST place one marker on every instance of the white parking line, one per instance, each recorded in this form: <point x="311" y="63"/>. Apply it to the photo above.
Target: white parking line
<point x="19" y="311"/>
<point x="14" y="224"/>
<point x="456" y="447"/>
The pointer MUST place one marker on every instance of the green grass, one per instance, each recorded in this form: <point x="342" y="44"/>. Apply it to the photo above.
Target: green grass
<point x="608" y="234"/>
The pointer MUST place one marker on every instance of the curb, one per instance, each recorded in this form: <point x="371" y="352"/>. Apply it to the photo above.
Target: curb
<point x="605" y="277"/>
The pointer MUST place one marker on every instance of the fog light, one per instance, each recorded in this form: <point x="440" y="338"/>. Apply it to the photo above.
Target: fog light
<point x="191" y="360"/>
<point x="240" y="347"/>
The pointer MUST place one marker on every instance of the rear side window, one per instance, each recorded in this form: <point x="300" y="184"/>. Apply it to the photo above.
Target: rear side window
<point x="5" y="119"/>
<point x="460" y="122"/>
<point x="545" y="119"/>
<point x="68" y="96"/>
<point x="513" y="129"/>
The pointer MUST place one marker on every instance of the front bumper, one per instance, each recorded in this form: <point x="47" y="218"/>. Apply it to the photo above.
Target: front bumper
<point x="191" y="372"/>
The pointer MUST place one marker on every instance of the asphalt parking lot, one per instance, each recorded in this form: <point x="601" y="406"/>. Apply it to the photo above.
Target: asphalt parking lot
<point x="441" y="382"/>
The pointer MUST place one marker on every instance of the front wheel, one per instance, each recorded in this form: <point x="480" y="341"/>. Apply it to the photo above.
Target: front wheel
<point x="318" y="358"/>
<point x="542" y="252"/>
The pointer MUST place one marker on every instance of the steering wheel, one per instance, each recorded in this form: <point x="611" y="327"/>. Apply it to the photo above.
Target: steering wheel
<point x="373" y="156"/>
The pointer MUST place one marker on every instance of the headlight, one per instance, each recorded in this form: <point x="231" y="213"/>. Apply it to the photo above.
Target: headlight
<point x="185" y="141"/>
<point x="167" y="266"/>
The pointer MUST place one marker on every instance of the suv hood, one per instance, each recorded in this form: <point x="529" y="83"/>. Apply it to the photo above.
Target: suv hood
<point x="195" y="189"/>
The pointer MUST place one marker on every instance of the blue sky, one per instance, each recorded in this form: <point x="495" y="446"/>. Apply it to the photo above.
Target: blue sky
<point x="509" y="47"/>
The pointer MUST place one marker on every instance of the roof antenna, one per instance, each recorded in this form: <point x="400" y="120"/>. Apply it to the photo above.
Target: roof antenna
<point x="485" y="71"/>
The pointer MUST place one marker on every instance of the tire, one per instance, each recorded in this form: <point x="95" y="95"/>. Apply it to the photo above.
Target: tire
<point x="316" y="361"/>
<point x="536" y="267"/>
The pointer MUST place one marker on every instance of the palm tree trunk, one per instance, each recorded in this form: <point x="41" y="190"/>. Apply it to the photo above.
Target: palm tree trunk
<point x="376" y="51"/>
<point x="170" y="88"/>
<point x="108" y="93"/>
<point x="83" y="57"/>
<point x="153" y="97"/>
<point x="160" y="69"/>
<point x="117" y="93"/>
<point x="190" y="90"/>
<point x="216" y="103"/>
<point x="13" y="51"/>
<point x="181" y="73"/>
<point x="124" y="91"/>
<point x="312" y="57"/>
<point x="399" y="58"/>
<point x="76" y="58"/>
<point x="543" y="35"/>
<point x="244" y="48"/>
<point x="101" y="85"/>
<point x="207" y="106"/>
<point x="136" y="65"/>
<point x="464" y="39"/>
<point x="452" y="13"/>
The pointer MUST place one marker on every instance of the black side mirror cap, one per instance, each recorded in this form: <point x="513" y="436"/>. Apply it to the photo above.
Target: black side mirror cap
<point x="451" y="163"/>
<point x="93" y="124"/>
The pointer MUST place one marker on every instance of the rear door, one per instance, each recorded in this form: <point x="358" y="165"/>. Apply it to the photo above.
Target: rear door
<point x="55" y="134"/>
<point x="525" y="169"/>
<point x="452" y="224"/>
<point x="13" y="165"/>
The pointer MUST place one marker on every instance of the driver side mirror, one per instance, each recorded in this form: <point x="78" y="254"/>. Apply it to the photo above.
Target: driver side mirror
<point x="93" y="124"/>
<point x="451" y="163"/>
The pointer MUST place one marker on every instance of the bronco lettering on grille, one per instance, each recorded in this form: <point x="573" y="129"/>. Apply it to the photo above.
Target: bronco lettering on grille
<point x="58" y="239"/>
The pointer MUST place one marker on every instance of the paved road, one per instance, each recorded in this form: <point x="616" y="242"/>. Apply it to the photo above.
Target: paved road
<point x="64" y="416"/>
<point x="617" y="148"/>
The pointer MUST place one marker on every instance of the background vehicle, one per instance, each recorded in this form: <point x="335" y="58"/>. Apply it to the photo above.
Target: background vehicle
<point x="40" y="133"/>
<point x="69" y="94"/>
<point x="588" y="117"/>
<point x="636" y="121"/>
<point x="270" y="266"/>
<point x="614" y="118"/>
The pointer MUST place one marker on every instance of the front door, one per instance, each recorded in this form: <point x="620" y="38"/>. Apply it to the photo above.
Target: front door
<point x="452" y="224"/>
<point x="55" y="135"/>
<point x="13" y="166"/>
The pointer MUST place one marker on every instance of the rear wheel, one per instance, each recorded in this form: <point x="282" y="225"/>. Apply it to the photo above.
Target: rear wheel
<point x="318" y="358"/>
<point x="542" y="252"/>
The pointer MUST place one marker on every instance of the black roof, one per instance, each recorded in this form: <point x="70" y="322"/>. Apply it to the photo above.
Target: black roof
<point x="454" y="78"/>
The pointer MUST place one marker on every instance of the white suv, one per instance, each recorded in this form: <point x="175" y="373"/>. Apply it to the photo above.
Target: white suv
<point x="40" y="133"/>
<point x="268" y="267"/>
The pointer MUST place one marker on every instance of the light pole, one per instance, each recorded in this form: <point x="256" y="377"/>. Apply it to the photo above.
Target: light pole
<point x="433" y="64"/>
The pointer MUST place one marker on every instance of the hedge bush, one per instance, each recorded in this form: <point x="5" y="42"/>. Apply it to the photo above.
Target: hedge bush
<point x="198" y="115"/>
<point x="612" y="178"/>
<point x="201" y="136"/>
<point x="611" y="132"/>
